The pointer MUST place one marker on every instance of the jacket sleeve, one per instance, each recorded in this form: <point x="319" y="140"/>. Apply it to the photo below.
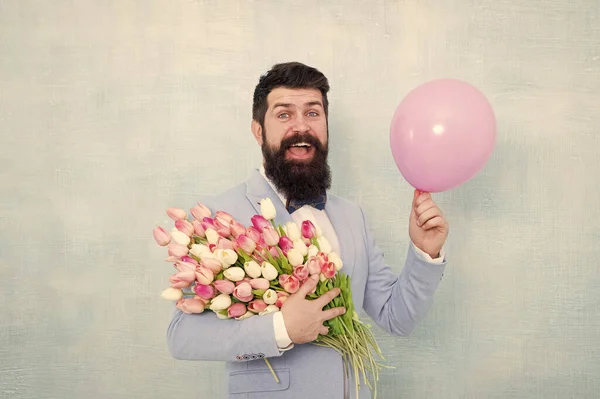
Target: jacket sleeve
<point x="399" y="303"/>
<point x="205" y="337"/>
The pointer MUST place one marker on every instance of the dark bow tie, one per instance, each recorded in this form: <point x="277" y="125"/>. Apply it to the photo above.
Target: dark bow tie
<point x="318" y="203"/>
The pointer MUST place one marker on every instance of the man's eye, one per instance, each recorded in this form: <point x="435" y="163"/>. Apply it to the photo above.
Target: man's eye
<point x="313" y="113"/>
<point x="283" y="115"/>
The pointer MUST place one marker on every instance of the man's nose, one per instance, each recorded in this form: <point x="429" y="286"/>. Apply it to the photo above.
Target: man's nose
<point x="300" y="125"/>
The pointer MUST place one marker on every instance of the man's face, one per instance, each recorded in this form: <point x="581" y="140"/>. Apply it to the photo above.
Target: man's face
<point x="294" y="142"/>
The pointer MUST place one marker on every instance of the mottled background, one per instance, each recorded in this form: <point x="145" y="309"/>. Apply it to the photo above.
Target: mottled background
<point x="112" y="111"/>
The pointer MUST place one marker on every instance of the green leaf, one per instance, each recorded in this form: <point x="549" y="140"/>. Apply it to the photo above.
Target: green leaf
<point x="259" y="293"/>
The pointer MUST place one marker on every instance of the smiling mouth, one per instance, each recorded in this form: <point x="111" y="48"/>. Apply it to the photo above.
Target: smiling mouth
<point x="300" y="150"/>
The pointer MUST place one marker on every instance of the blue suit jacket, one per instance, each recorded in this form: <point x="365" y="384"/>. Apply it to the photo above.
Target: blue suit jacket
<point x="396" y="303"/>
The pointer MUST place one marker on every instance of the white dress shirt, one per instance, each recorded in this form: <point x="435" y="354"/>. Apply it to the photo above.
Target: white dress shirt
<point x="323" y="225"/>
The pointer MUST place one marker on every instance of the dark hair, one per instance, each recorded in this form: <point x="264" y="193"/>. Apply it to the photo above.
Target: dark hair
<point x="291" y="75"/>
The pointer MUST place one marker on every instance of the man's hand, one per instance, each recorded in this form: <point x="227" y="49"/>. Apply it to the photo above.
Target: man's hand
<point x="304" y="318"/>
<point x="428" y="229"/>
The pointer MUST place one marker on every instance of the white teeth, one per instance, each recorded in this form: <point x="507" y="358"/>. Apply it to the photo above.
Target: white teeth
<point x="301" y="145"/>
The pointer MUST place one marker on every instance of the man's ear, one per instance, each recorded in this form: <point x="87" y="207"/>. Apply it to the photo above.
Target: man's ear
<point x="257" y="132"/>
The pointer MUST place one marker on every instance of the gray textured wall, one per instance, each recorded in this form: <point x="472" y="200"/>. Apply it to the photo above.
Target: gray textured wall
<point x="112" y="111"/>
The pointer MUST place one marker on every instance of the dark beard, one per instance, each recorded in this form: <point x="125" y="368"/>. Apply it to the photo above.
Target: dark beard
<point x="298" y="180"/>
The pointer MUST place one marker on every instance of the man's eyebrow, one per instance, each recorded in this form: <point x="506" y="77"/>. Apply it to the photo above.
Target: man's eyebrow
<point x="288" y="105"/>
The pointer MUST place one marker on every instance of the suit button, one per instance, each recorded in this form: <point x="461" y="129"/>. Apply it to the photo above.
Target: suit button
<point x="246" y="357"/>
<point x="239" y="357"/>
<point x="261" y="355"/>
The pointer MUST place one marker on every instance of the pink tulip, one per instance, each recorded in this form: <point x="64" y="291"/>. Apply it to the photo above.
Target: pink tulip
<point x="259" y="222"/>
<point x="224" y="217"/>
<point x="322" y="258"/>
<point x="313" y="265"/>
<point x="224" y="243"/>
<point x="176" y="213"/>
<point x="161" y="236"/>
<point x="308" y="229"/>
<point x="289" y="283"/>
<point x="185" y="227"/>
<point x="285" y="244"/>
<point x="270" y="236"/>
<point x="236" y="229"/>
<point x="190" y="305"/>
<point x="245" y="243"/>
<point x="328" y="270"/>
<point x="281" y="298"/>
<point x="224" y="286"/>
<point x="177" y="250"/>
<point x="257" y="305"/>
<point x="182" y="279"/>
<point x="189" y="259"/>
<point x="204" y="291"/>
<point x="236" y="310"/>
<point x="301" y="272"/>
<point x="185" y="266"/>
<point x="200" y="212"/>
<point x="208" y="223"/>
<point x="253" y="234"/>
<point x="274" y="252"/>
<point x="204" y="275"/>
<point x="223" y="229"/>
<point x="213" y="264"/>
<point x="243" y="292"/>
<point x="259" y="283"/>
<point x="244" y="280"/>
<point x="198" y="229"/>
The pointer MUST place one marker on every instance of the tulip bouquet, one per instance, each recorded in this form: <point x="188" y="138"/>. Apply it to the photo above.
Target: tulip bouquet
<point x="240" y="272"/>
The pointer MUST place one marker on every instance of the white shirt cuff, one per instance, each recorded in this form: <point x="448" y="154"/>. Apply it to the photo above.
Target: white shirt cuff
<point x="281" y="336"/>
<point x="425" y="256"/>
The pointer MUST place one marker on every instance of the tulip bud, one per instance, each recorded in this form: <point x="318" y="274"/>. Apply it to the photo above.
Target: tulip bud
<point x="176" y="213"/>
<point x="269" y="309"/>
<point x="312" y="251"/>
<point x="259" y="283"/>
<point x="257" y="305"/>
<point x="172" y="294"/>
<point x="259" y="222"/>
<point x="204" y="291"/>
<point x="236" y="310"/>
<point x="224" y="243"/>
<point x="185" y="227"/>
<point x="294" y="257"/>
<point x="313" y="265"/>
<point x="190" y="305"/>
<point x="180" y="238"/>
<point x="200" y="212"/>
<point x="253" y="234"/>
<point x="198" y="249"/>
<point x="301" y="247"/>
<point x="293" y="231"/>
<point x="213" y="264"/>
<point x="220" y="302"/>
<point x="245" y="243"/>
<point x="252" y="269"/>
<point x="246" y="315"/>
<point x="301" y="272"/>
<point x="222" y="228"/>
<point x="234" y="273"/>
<point x="270" y="296"/>
<point x="212" y="236"/>
<point x="204" y="275"/>
<point x="267" y="209"/>
<point x="268" y="271"/>
<point x="161" y="236"/>
<point x="285" y="243"/>
<point x="198" y="229"/>
<point x="243" y="292"/>
<point x="324" y="245"/>
<point x="337" y="261"/>
<point x="224" y="286"/>
<point x="227" y="257"/>
<point x="237" y="228"/>
<point x="182" y="279"/>
<point x="177" y="250"/>
<point x="289" y="283"/>
<point x="308" y="229"/>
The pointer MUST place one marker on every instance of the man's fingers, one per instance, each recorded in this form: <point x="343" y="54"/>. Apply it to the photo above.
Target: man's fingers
<point x="333" y="312"/>
<point x="419" y="199"/>
<point x="437" y="221"/>
<point x="324" y="330"/>
<point x="428" y="215"/>
<point x="308" y="286"/>
<point x="327" y="297"/>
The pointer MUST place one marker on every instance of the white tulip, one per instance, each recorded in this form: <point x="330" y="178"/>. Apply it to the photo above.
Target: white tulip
<point x="212" y="236"/>
<point x="269" y="309"/>
<point x="293" y="231"/>
<point x="220" y="302"/>
<point x="252" y="269"/>
<point x="267" y="209"/>
<point x="318" y="231"/>
<point x="268" y="271"/>
<point x="270" y="297"/>
<point x="234" y="273"/>
<point x="301" y="247"/>
<point x="337" y="261"/>
<point x="324" y="245"/>
<point x="246" y="315"/>
<point x="172" y="294"/>
<point x="198" y="249"/>
<point x="312" y="251"/>
<point x="227" y="257"/>
<point x="295" y="257"/>
<point x="180" y="238"/>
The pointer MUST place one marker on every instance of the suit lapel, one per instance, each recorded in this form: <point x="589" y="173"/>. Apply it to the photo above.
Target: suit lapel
<point x="345" y="235"/>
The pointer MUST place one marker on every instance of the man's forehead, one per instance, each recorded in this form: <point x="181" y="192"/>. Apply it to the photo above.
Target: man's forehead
<point x="298" y="97"/>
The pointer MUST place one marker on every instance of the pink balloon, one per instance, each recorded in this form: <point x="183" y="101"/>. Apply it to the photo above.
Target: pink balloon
<point x="442" y="134"/>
